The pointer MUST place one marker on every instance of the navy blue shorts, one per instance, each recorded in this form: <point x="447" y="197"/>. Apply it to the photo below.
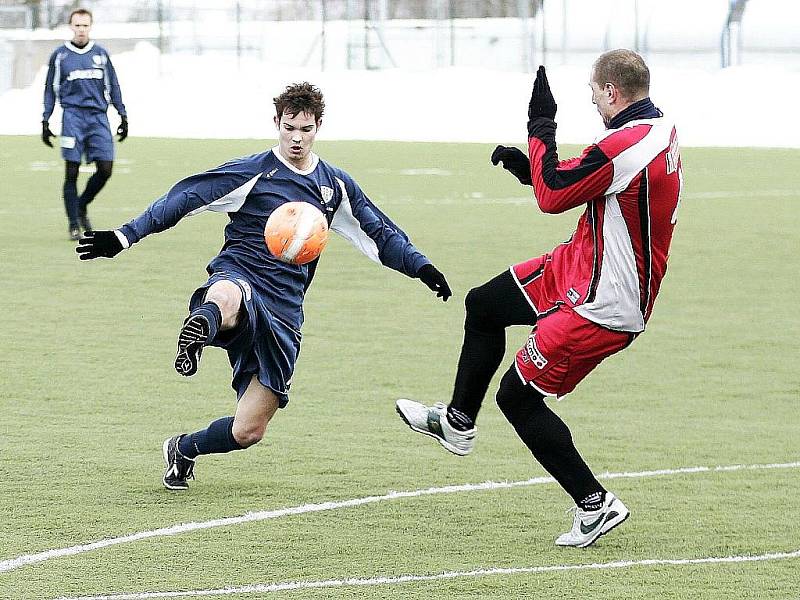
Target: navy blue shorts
<point x="86" y="132"/>
<point x="260" y="345"/>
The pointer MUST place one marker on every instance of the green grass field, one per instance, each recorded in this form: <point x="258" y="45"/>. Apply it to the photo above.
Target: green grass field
<point x="88" y="394"/>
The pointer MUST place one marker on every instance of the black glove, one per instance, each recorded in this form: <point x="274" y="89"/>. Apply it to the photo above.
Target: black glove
<point x="122" y="130"/>
<point x="515" y="161"/>
<point x="430" y="276"/>
<point x="96" y="244"/>
<point x="542" y="103"/>
<point x="47" y="134"/>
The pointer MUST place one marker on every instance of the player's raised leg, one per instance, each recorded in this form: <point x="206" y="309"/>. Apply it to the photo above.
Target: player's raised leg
<point x="219" y="312"/>
<point x="434" y="421"/>
<point x="490" y="308"/>
<point x="254" y="411"/>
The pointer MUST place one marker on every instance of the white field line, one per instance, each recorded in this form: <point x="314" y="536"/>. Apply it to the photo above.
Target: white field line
<point x="27" y="559"/>
<point x="376" y="581"/>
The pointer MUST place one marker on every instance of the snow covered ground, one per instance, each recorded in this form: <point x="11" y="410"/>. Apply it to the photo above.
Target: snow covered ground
<point x="219" y="97"/>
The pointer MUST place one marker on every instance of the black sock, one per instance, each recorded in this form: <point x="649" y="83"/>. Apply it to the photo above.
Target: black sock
<point x="593" y="501"/>
<point x="549" y="440"/>
<point x="213" y="314"/>
<point x="71" y="194"/>
<point x="459" y="420"/>
<point x="93" y="187"/>
<point x="217" y="438"/>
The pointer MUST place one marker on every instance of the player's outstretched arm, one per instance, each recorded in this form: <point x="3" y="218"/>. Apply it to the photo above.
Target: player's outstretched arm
<point x="515" y="161"/>
<point x="434" y="279"/>
<point x="101" y="244"/>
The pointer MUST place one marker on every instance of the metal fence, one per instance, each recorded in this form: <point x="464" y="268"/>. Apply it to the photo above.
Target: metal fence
<point x="407" y="34"/>
<point x="324" y="34"/>
<point x="369" y="34"/>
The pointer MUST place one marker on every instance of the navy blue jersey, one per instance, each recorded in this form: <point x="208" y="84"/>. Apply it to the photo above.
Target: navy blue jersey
<point x="249" y="189"/>
<point x="81" y="78"/>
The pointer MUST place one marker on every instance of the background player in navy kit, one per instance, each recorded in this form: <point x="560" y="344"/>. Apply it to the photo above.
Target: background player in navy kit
<point x="81" y="77"/>
<point x="252" y="304"/>
<point x="586" y="299"/>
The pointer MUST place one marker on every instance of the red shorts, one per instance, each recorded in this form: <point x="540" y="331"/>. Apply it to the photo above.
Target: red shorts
<point x="563" y="347"/>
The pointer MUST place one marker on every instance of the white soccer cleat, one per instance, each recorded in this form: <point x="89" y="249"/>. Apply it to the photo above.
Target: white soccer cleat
<point x="589" y="525"/>
<point x="432" y="421"/>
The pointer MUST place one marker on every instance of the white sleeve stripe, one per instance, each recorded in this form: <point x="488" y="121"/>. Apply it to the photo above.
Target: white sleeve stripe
<point x="107" y="84"/>
<point x="230" y="202"/>
<point x="345" y="224"/>
<point x="122" y="239"/>
<point x="57" y="76"/>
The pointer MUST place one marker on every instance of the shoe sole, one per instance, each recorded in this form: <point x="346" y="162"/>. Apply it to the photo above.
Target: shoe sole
<point x="191" y="339"/>
<point x="165" y="454"/>
<point x="444" y="443"/>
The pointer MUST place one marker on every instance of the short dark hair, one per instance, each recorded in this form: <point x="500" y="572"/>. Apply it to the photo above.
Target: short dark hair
<point x="626" y="70"/>
<point x="300" y="97"/>
<point x="80" y="11"/>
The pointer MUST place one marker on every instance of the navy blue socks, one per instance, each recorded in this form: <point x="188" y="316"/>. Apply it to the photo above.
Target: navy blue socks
<point x="71" y="201"/>
<point x="217" y="438"/>
<point x="214" y="317"/>
<point x="96" y="183"/>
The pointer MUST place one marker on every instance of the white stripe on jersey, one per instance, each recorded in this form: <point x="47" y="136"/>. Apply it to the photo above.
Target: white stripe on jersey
<point x="617" y="300"/>
<point x="616" y="303"/>
<point x="346" y="225"/>
<point x="230" y="202"/>
<point x="649" y="279"/>
<point x="57" y="75"/>
<point x="674" y="218"/>
<point x="629" y="162"/>
<point x="106" y="85"/>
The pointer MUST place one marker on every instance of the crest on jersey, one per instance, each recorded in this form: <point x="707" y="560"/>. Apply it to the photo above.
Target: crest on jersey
<point x="327" y="195"/>
<point x="97" y="59"/>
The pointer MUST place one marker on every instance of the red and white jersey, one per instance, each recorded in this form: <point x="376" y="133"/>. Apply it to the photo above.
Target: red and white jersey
<point x="630" y="180"/>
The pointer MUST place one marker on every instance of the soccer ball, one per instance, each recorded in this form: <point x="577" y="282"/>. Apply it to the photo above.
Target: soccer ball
<point x="296" y="232"/>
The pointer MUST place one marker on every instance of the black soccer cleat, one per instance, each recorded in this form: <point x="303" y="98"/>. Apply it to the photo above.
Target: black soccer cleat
<point x="179" y="468"/>
<point x="191" y="339"/>
<point x="74" y="233"/>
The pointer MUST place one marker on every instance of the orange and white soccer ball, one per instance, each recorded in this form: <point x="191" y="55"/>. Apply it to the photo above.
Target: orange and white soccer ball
<point x="296" y="232"/>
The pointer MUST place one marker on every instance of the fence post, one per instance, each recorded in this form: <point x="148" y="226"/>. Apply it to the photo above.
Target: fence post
<point x="731" y="40"/>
